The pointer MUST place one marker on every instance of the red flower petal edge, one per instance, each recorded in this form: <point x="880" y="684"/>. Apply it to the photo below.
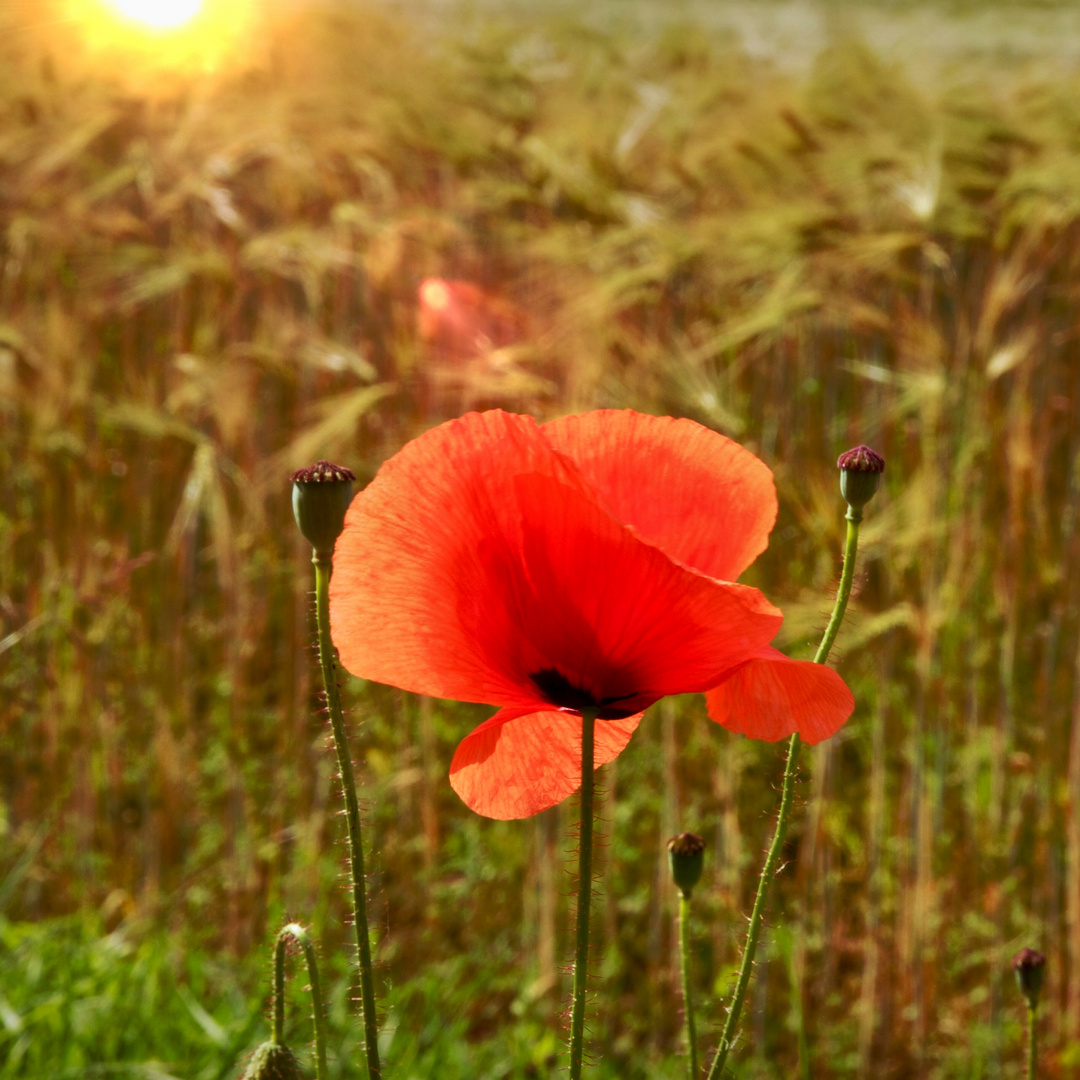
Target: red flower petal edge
<point x="773" y="696"/>
<point x="521" y="762"/>
<point x="703" y="499"/>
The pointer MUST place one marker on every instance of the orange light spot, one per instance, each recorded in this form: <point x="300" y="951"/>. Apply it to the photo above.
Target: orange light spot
<point x="435" y="294"/>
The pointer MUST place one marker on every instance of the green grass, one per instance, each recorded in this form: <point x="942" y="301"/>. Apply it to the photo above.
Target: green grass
<point x="82" y="1002"/>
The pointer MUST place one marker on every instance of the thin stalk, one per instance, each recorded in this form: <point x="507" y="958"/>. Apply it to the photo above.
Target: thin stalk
<point x="757" y="915"/>
<point x="328" y="663"/>
<point x="687" y="992"/>
<point x="301" y="936"/>
<point x="1031" y="1043"/>
<point x="581" y="955"/>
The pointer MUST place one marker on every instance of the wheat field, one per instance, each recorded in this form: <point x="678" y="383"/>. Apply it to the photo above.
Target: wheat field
<point x="208" y="279"/>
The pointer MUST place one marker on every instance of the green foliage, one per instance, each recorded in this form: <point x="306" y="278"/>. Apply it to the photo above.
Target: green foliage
<point x="80" y="1001"/>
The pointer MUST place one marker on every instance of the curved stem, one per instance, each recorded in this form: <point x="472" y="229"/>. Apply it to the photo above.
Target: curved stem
<point x="727" y="1036"/>
<point x="843" y="590"/>
<point x="581" y="955"/>
<point x="687" y="989"/>
<point x="278" y="1035"/>
<point x="300" y="935"/>
<point x="1031" y="1043"/>
<point x="328" y="662"/>
<point x="757" y="915"/>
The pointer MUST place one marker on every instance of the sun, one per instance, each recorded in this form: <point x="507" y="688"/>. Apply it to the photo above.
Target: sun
<point x="158" y="14"/>
<point x="144" y="43"/>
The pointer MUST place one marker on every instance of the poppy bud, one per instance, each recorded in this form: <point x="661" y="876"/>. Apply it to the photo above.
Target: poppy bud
<point x="686" y="856"/>
<point x="273" y="1061"/>
<point x="860" y="472"/>
<point x="320" y="496"/>
<point x="1029" y="967"/>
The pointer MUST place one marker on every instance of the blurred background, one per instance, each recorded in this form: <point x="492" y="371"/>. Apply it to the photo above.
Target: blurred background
<point x="243" y="236"/>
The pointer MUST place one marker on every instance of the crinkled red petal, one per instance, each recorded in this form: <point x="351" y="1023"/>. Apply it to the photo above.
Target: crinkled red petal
<point x="702" y="498"/>
<point x="773" y="696"/>
<point x="521" y="762"/>
<point x="479" y="557"/>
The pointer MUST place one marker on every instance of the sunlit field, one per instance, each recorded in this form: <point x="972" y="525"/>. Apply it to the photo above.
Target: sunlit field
<point x="215" y="224"/>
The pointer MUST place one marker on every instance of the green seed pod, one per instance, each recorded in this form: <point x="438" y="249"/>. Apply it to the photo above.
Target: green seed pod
<point x="1029" y="967"/>
<point x="320" y="496"/>
<point x="273" y="1061"/>
<point x="860" y="473"/>
<point x="686" y="857"/>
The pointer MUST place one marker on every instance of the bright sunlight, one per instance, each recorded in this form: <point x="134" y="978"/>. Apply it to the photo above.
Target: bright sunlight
<point x="142" y="41"/>
<point x="159" y="14"/>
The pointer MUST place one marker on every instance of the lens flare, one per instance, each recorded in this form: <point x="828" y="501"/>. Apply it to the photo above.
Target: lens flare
<point x="158" y="14"/>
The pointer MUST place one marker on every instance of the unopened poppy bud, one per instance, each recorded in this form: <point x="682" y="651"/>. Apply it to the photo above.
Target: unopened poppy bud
<point x="686" y="856"/>
<point x="320" y="496"/>
<point x="1029" y="966"/>
<point x="273" y="1061"/>
<point x="860" y="473"/>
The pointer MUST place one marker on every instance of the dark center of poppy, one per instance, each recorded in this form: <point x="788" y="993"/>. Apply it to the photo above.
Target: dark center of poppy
<point x="560" y="691"/>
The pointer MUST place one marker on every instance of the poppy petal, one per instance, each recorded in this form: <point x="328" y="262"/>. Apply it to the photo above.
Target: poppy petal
<point x="417" y="569"/>
<point x="617" y="616"/>
<point x="479" y="565"/>
<point x="705" y="500"/>
<point x="521" y="762"/>
<point x="773" y="696"/>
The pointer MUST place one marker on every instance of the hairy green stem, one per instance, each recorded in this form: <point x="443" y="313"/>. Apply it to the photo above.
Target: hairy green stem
<point x="687" y="990"/>
<point x="303" y="939"/>
<point x="584" y="898"/>
<point x="757" y="915"/>
<point x="843" y="592"/>
<point x="328" y="662"/>
<point x="1031" y="1043"/>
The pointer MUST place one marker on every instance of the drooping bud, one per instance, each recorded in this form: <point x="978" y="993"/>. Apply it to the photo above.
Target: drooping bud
<point x="686" y="857"/>
<point x="320" y="496"/>
<point x="860" y="472"/>
<point x="273" y="1061"/>
<point x="1029" y="967"/>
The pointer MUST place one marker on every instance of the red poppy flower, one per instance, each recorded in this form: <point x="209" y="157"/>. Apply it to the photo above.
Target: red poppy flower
<point x="584" y="563"/>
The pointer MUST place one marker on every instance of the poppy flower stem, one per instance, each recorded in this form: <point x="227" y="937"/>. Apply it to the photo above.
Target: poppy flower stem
<point x="1031" y="1043"/>
<point x="757" y="915"/>
<point x="1029" y="967"/>
<point x="328" y="662"/>
<point x="687" y="990"/>
<point x="581" y="955"/>
<point x="303" y="939"/>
